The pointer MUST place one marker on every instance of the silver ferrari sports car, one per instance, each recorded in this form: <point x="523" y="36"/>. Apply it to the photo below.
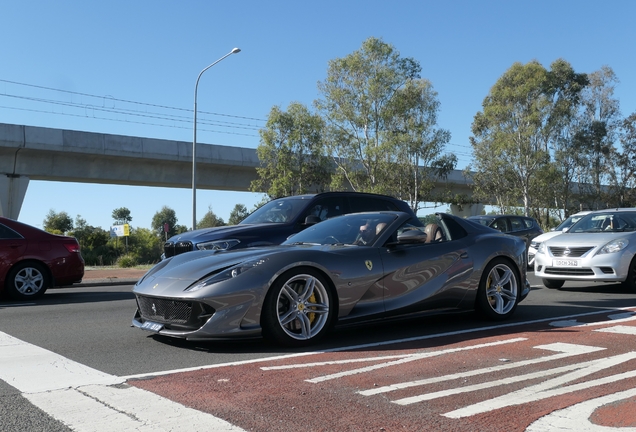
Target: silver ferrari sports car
<point x="351" y="268"/>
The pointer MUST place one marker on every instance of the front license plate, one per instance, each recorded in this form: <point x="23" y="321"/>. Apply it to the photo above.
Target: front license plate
<point x="565" y="263"/>
<point x="152" y="326"/>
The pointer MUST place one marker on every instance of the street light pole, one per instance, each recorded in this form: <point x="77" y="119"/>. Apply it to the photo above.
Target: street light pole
<point x="194" y="141"/>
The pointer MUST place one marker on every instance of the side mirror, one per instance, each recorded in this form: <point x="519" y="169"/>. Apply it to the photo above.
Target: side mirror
<point x="566" y="229"/>
<point x="312" y="220"/>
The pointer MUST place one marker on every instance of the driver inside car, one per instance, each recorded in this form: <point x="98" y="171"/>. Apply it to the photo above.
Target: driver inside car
<point x="368" y="232"/>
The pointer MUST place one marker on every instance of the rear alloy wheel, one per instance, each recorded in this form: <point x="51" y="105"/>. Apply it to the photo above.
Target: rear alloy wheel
<point x="298" y="309"/>
<point x="27" y="281"/>
<point x="498" y="292"/>
<point x="553" y="283"/>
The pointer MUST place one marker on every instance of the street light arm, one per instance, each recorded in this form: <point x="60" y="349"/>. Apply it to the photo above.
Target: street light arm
<point x="196" y="86"/>
<point x="194" y="140"/>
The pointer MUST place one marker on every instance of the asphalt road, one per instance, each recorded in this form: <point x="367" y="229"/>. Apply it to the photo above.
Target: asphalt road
<point x="91" y="326"/>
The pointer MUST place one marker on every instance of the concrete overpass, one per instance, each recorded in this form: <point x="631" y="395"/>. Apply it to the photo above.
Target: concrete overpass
<point x="36" y="153"/>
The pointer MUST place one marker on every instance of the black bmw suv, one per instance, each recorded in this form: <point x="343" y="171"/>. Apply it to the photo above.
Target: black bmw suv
<point x="278" y="219"/>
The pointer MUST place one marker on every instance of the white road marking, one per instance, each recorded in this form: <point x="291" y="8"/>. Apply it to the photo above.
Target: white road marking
<point x="87" y="400"/>
<point x="615" y="318"/>
<point x="411" y="358"/>
<point x="25" y="378"/>
<point x="334" y="362"/>
<point x="576" y="418"/>
<point x="552" y="387"/>
<point x="565" y="350"/>
<point x="628" y="330"/>
<point x="32" y="369"/>
<point x="370" y="345"/>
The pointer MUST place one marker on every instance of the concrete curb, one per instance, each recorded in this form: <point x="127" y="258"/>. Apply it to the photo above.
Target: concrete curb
<point x="107" y="282"/>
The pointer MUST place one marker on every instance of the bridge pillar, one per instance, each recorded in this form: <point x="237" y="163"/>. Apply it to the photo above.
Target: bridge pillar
<point x="12" y="192"/>
<point x="466" y="210"/>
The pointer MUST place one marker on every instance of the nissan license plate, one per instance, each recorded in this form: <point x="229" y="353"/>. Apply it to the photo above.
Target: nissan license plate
<point x="565" y="263"/>
<point x="152" y="326"/>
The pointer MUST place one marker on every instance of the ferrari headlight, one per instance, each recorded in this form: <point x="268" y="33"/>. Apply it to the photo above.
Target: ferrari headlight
<point x="218" y="244"/>
<point x="228" y="273"/>
<point x="614" y="246"/>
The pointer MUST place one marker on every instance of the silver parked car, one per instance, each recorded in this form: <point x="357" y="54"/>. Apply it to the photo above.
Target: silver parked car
<point x="600" y="247"/>
<point x="563" y="226"/>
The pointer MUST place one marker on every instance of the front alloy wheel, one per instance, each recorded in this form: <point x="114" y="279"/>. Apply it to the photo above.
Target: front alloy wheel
<point x="498" y="292"/>
<point x="298" y="308"/>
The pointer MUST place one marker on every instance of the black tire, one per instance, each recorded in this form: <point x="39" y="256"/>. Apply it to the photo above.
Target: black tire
<point x="499" y="290"/>
<point x="553" y="283"/>
<point x="630" y="282"/>
<point x="27" y="281"/>
<point x="298" y="309"/>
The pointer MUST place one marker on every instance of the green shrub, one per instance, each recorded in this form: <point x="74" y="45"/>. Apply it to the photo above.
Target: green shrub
<point x="126" y="261"/>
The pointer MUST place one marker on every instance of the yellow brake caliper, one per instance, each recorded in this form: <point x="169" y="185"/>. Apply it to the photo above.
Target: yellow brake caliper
<point x="488" y="285"/>
<point x="312" y="316"/>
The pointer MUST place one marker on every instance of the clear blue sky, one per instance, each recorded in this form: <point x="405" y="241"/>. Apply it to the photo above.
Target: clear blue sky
<point x="129" y="68"/>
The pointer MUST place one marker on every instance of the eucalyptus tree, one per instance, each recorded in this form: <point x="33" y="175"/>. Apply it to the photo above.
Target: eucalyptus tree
<point x="623" y="169"/>
<point x="57" y="223"/>
<point x="168" y="216"/>
<point x="381" y="119"/>
<point x="415" y="145"/>
<point x="238" y="213"/>
<point x="494" y="180"/>
<point x="210" y="219"/>
<point x="122" y="216"/>
<point x="596" y="140"/>
<point x="512" y="136"/>
<point x="291" y="153"/>
<point x="558" y="180"/>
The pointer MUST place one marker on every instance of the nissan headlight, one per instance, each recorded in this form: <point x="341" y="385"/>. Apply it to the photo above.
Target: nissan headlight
<point x="228" y="273"/>
<point x="614" y="246"/>
<point x="218" y="244"/>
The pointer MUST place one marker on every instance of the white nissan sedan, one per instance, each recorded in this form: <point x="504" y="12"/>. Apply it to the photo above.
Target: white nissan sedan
<point x="563" y="226"/>
<point x="600" y="247"/>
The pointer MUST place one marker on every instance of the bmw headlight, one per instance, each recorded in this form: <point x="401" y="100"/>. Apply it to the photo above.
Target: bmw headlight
<point x="614" y="246"/>
<point x="228" y="273"/>
<point x="218" y="244"/>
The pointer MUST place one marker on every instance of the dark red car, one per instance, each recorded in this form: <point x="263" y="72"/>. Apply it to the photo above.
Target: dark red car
<point x="32" y="260"/>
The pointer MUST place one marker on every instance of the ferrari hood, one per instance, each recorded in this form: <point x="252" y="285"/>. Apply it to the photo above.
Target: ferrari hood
<point x="181" y="271"/>
<point x="195" y="265"/>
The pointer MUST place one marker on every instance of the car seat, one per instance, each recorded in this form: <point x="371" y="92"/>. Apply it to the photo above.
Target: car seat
<point x="433" y="233"/>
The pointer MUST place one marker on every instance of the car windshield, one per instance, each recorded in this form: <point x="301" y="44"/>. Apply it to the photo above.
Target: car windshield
<point x="354" y="229"/>
<point x="568" y="222"/>
<point x="605" y="222"/>
<point x="276" y="211"/>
